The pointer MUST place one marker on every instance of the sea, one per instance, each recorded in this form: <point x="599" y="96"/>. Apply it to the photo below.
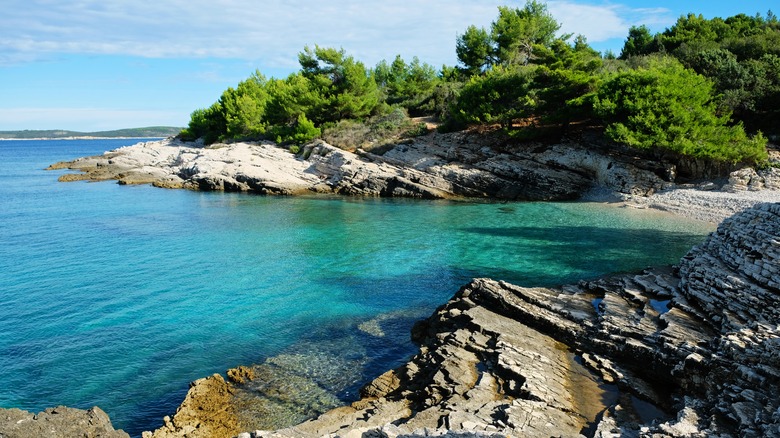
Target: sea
<point x="120" y="296"/>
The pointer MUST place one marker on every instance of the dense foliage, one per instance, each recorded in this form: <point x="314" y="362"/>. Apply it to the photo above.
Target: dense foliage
<point x="409" y="85"/>
<point x="512" y="40"/>
<point x="740" y="54"/>
<point x="667" y="107"/>
<point x="330" y="86"/>
<point x="688" y="91"/>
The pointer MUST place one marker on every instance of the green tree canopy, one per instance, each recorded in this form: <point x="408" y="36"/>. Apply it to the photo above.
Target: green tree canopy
<point x="347" y="88"/>
<point x="500" y="96"/>
<point x="291" y="98"/>
<point x="512" y="39"/>
<point x="639" y="42"/>
<point x="409" y="85"/>
<point x="206" y="123"/>
<point x="475" y="50"/>
<point x="516" y="32"/>
<point x="668" y="107"/>
<point x="244" y="107"/>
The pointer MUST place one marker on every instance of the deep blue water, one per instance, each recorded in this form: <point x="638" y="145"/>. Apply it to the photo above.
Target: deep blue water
<point x="118" y="296"/>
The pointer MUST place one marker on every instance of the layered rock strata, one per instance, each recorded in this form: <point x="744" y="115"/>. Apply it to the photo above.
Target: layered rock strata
<point x="680" y="352"/>
<point x="436" y="166"/>
<point x="59" y="422"/>
<point x="691" y="351"/>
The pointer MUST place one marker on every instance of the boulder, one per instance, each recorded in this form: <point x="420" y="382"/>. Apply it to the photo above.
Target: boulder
<point x="59" y="422"/>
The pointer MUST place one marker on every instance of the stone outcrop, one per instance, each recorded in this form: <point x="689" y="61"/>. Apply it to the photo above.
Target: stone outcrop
<point x="669" y="352"/>
<point x="529" y="171"/>
<point x="59" y="422"/>
<point x="206" y="411"/>
<point x="433" y="166"/>
<point x="754" y="180"/>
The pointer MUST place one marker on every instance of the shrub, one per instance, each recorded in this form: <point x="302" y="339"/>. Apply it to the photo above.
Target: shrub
<point x="668" y="107"/>
<point x="302" y="131"/>
<point x="374" y="132"/>
<point x="500" y="96"/>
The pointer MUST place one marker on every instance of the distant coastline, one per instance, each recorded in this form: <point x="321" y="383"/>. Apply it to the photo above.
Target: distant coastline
<point x="60" y="134"/>
<point x="84" y="137"/>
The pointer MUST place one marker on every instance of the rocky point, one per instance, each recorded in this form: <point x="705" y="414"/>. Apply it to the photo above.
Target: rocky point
<point x="434" y="166"/>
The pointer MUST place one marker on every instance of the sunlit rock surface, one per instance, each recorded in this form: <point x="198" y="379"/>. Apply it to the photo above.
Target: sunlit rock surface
<point x="59" y="422"/>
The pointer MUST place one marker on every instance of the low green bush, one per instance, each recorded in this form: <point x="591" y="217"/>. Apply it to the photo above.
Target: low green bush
<point x="373" y="132"/>
<point x="668" y="107"/>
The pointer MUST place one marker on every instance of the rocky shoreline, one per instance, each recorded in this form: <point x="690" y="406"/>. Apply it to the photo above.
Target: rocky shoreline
<point x="677" y="352"/>
<point x="434" y="166"/>
<point x="683" y="351"/>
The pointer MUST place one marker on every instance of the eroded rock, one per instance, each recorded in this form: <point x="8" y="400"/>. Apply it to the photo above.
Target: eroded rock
<point x="430" y="167"/>
<point x="59" y="422"/>
<point x="207" y="411"/>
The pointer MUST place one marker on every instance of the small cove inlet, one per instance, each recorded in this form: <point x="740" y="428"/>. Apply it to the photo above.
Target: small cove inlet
<point x="118" y="296"/>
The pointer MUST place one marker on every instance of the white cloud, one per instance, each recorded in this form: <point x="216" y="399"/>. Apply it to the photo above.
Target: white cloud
<point x="605" y="21"/>
<point x="598" y="23"/>
<point x="271" y="33"/>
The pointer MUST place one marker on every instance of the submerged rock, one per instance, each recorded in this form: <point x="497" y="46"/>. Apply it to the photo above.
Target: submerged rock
<point x="303" y="381"/>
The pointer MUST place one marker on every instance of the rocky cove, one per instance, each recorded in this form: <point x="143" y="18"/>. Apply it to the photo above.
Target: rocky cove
<point x="499" y="358"/>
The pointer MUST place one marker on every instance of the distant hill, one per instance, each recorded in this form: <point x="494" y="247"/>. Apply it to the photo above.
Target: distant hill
<point x="148" y="132"/>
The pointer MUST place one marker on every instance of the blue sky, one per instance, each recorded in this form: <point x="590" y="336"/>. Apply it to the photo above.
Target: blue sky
<point x="91" y="65"/>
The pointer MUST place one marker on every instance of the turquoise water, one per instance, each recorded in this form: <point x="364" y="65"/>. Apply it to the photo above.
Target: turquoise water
<point x="118" y="296"/>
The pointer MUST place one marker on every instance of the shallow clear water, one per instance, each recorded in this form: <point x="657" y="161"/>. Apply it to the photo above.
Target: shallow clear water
<point x="118" y="296"/>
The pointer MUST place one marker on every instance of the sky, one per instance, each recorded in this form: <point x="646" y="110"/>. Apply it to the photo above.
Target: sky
<point x="92" y="65"/>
